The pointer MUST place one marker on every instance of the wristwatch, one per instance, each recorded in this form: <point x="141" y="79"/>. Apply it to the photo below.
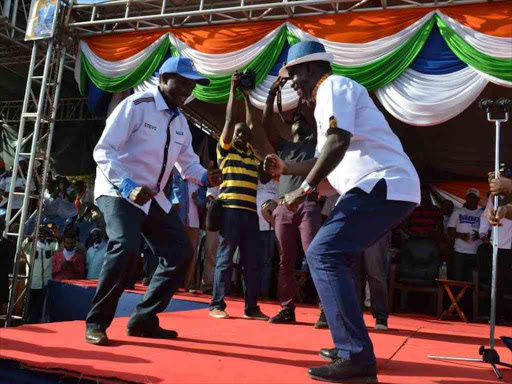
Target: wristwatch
<point x="307" y="188"/>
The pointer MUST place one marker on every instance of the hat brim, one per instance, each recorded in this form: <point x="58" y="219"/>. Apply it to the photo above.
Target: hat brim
<point x="320" y="56"/>
<point x="201" y="80"/>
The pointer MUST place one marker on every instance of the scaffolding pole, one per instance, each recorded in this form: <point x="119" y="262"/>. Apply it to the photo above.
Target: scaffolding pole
<point x="44" y="116"/>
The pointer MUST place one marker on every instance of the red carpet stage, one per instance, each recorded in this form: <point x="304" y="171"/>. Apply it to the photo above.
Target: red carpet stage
<point x="247" y="351"/>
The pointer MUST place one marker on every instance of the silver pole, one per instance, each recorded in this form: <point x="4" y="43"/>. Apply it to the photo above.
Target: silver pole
<point x="7" y="8"/>
<point x="495" y="237"/>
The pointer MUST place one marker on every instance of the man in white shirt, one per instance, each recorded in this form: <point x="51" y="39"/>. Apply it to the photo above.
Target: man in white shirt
<point x="365" y="163"/>
<point x="144" y="138"/>
<point x="41" y="264"/>
<point x="464" y="227"/>
<point x="268" y="191"/>
<point x="211" y="244"/>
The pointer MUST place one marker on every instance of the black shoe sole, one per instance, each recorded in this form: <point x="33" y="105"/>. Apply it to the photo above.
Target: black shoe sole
<point x="151" y="336"/>
<point x="256" y="318"/>
<point x="104" y="342"/>
<point x="361" y="380"/>
<point x="282" y="321"/>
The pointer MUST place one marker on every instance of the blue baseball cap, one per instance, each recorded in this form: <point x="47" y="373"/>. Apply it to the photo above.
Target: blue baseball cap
<point x="303" y="52"/>
<point x="183" y="67"/>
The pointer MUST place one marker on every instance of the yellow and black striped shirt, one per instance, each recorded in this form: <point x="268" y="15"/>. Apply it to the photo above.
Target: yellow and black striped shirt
<point x="240" y="173"/>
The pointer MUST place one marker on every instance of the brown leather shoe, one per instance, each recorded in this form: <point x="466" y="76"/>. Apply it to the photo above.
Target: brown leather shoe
<point x="157" y="333"/>
<point x="96" y="337"/>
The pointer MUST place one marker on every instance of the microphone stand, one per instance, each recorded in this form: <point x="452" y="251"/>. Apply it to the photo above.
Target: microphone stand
<point x="489" y="355"/>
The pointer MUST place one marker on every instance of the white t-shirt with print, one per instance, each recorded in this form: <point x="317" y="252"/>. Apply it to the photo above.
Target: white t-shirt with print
<point x="374" y="153"/>
<point x="466" y="221"/>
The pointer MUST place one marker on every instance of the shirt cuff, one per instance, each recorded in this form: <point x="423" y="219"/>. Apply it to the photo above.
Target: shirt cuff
<point x="204" y="179"/>
<point x="127" y="186"/>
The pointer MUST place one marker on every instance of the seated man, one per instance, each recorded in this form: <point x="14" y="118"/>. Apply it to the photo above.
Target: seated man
<point x="426" y="221"/>
<point x="68" y="264"/>
<point x="95" y="254"/>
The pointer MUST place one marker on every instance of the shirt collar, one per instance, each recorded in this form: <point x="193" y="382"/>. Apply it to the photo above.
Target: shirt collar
<point x="161" y="104"/>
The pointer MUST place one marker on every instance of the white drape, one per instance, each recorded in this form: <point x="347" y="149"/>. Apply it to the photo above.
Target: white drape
<point x="421" y="100"/>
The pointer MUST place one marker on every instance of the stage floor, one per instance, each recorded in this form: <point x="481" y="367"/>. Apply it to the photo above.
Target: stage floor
<point x="246" y="351"/>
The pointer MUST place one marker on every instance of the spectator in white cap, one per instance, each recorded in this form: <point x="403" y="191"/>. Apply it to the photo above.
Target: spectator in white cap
<point x="145" y="137"/>
<point x="464" y="227"/>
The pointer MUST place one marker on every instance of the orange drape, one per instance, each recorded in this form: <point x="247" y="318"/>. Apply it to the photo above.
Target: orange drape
<point x="210" y="39"/>
<point x="358" y="27"/>
<point x="493" y="19"/>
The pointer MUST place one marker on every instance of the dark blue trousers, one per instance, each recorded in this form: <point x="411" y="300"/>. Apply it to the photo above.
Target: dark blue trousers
<point x="239" y="228"/>
<point x="166" y="234"/>
<point x="356" y="222"/>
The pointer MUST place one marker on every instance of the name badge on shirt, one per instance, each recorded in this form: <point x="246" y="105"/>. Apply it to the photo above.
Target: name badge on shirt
<point x="152" y="127"/>
<point x="180" y="133"/>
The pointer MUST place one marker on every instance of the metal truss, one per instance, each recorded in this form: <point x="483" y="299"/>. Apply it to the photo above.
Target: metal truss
<point x="130" y="15"/>
<point x="70" y="109"/>
<point x="40" y="107"/>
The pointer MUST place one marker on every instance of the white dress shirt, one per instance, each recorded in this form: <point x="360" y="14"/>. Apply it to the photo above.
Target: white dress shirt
<point x="374" y="153"/>
<point x="143" y="140"/>
<point x="504" y="232"/>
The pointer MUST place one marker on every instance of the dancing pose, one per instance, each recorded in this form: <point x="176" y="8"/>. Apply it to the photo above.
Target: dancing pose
<point x="365" y="162"/>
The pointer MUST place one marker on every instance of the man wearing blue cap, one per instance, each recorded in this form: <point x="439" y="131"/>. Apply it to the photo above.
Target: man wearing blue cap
<point x="364" y="161"/>
<point x="145" y="137"/>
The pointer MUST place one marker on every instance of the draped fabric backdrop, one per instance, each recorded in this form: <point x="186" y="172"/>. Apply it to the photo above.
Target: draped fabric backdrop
<point x="425" y="65"/>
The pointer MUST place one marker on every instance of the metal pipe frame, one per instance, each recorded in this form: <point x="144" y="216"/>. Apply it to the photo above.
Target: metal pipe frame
<point x="70" y="109"/>
<point x="48" y="69"/>
<point x="122" y="14"/>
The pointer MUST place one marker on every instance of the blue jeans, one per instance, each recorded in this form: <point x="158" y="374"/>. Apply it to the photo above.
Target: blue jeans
<point x="165" y="232"/>
<point x="356" y="222"/>
<point x="267" y="246"/>
<point x="239" y="228"/>
<point x="376" y="265"/>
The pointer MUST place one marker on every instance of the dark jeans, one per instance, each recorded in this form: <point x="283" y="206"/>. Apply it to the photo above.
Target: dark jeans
<point x="165" y="232"/>
<point x="36" y="305"/>
<point x="463" y="264"/>
<point x="356" y="222"/>
<point x="150" y="260"/>
<point x="267" y="246"/>
<point x="376" y="265"/>
<point x="239" y="228"/>
<point x="305" y="222"/>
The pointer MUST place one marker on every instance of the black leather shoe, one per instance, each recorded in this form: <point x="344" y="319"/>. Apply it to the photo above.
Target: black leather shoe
<point x="329" y="354"/>
<point x="285" y="316"/>
<point x="156" y="333"/>
<point x="345" y="371"/>
<point x="321" y="323"/>
<point x="255" y="314"/>
<point x="96" y="337"/>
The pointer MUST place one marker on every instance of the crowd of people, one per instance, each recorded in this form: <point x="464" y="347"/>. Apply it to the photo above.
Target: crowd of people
<point x="157" y="205"/>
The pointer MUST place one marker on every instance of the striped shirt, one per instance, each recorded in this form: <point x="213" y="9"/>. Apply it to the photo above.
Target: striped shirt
<point x="240" y="176"/>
